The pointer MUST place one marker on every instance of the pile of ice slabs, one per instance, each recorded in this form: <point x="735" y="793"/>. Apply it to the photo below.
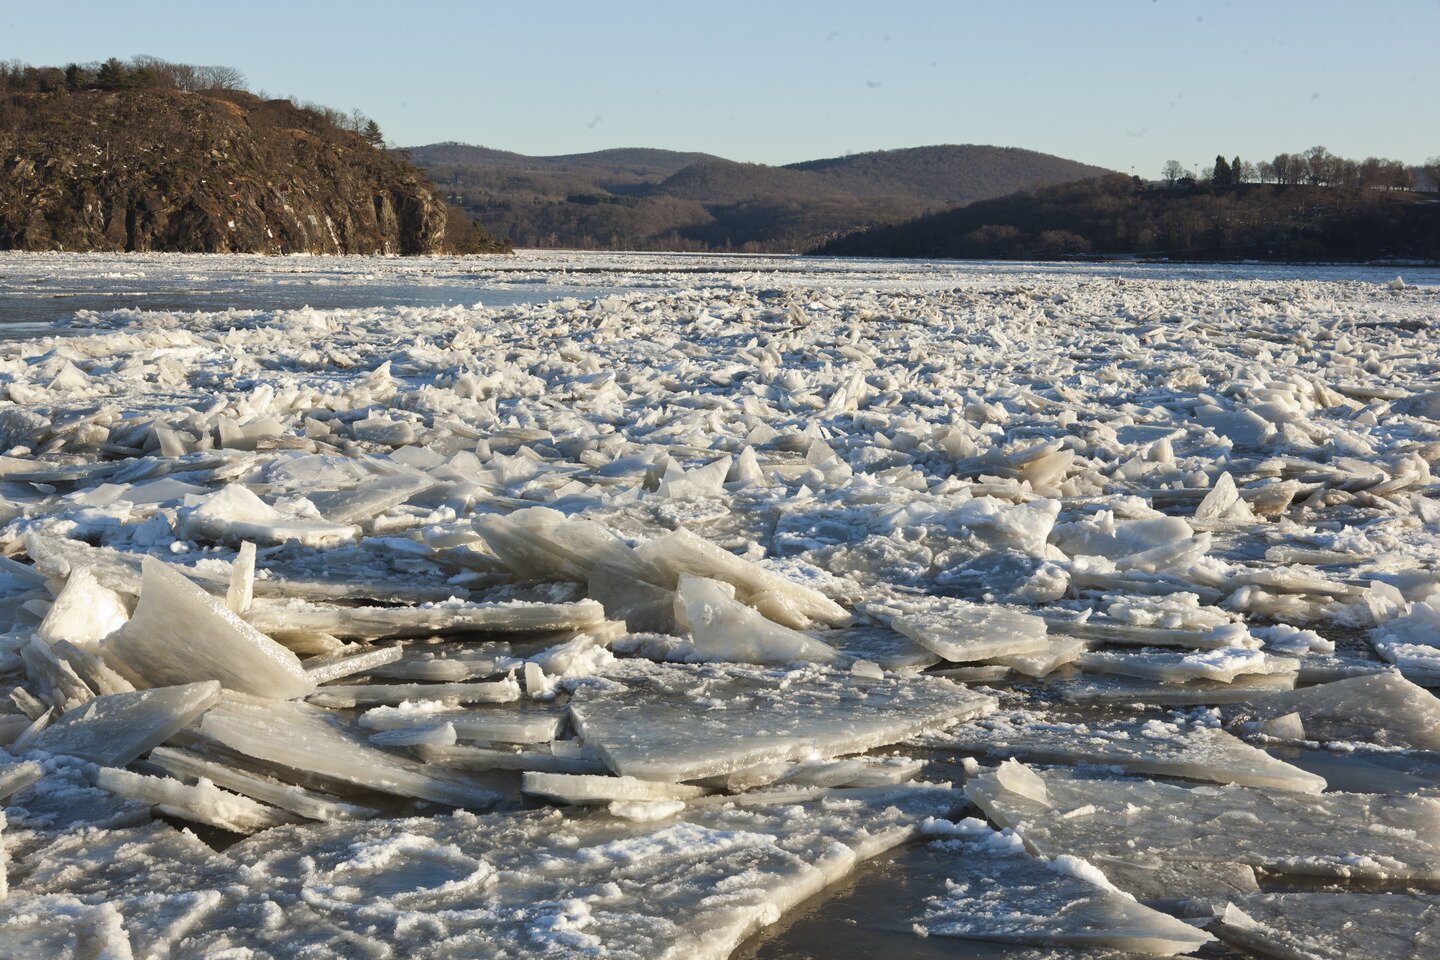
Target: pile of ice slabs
<point x="619" y="627"/>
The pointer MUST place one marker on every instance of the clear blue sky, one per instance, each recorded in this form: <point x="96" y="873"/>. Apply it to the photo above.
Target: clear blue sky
<point x="1112" y="82"/>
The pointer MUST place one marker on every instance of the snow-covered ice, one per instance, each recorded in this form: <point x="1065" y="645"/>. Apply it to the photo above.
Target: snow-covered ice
<point x="729" y="564"/>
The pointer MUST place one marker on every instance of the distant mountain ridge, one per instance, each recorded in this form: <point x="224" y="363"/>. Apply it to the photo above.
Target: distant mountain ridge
<point x="641" y="198"/>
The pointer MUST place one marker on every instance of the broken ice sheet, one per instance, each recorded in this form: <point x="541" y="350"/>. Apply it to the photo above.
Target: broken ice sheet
<point x="1332" y="926"/>
<point x="722" y="629"/>
<point x="312" y="739"/>
<point x="445" y="661"/>
<point x="201" y="802"/>
<point x="1339" y="835"/>
<point x="960" y="631"/>
<point x="235" y="514"/>
<point x="1380" y="708"/>
<point x="181" y="634"/>
<point x="1122" y="690"/>
<point x="365" y="694"/>
<point x="286" y="796"/>
<point x="282" y="618"/>
<point x="694" y="884"/>
<point x="113" y="730"/>
<point x="523" y="722"/>
<point x="885" y="647"/>
<point x="1222" y="665"/>
<point x="1004" y="893"/>
<point x="1151" y="747"/>
<point x="678" y="723"/>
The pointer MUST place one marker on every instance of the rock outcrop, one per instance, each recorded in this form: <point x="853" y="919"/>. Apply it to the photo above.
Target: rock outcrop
<point x="215" y="172"/>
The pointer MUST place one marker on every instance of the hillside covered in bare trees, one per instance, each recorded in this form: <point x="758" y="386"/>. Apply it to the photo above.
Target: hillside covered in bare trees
<point x="150" y="155"/>
<point x="1188" y="220"/>
<point x="665" y="200"/>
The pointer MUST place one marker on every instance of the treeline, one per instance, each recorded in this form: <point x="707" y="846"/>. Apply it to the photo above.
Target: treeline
<point x="1124" y="216"/>
<point x="1316" y="167"/>
<point x="153" y="73"/>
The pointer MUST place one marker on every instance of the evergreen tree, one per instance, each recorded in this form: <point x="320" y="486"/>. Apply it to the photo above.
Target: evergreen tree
<point x="372" y="134"/>
<point x="112" y="75"/>
<point x="1237" y="170"/>
<point x="1222" y="176"/>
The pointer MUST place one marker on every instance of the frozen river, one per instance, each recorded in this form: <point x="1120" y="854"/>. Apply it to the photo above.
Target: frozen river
<point x="638" y="605"/>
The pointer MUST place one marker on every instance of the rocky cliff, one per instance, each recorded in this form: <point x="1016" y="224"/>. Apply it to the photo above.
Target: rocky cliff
<point x="215" y="172"/>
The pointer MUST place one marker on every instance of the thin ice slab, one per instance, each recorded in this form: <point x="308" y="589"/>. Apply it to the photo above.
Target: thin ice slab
<point x="525" y="722"/>
<point x="1333" y="926"/>
<point x="286" y="796"/>
<point x="281" y="618"/>
<point x="1341" y="835"/>
<point x="367" y="694"/>
<point x="1221" y="665"/>
<point x="590" y="789"/>
<point x="116" y="729"/>
<point x="308" y="738"/>
<point x="722" y="629"/>
<point x="181" y="634"/>
<point x="960" y="631"/>
<point x="1004" y="893"/>
<point x="1121" y="690"/>
<point x="677" y="723"/>
<point x="1150" y="747"/>
<point x="201" y="802"/>
<point x="1381" y="708"/>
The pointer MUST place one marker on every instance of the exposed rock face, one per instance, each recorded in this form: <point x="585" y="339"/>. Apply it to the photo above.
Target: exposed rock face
<point x="163" y="170"/>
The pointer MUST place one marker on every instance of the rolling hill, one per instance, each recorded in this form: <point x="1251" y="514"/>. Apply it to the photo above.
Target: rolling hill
<point x="666" y="200"/>
<point x="1117" y="215"/>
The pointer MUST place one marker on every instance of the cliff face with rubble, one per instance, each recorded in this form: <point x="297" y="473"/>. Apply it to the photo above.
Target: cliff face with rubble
<point x="215" y="172"/>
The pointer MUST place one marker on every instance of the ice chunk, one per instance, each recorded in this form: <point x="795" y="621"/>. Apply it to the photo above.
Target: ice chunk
<point x="306" y="803"/>
<point x="1115" y="689"/>
<point x="724" y="629"/>
<point x="590" y="789"/>
<point x="682" y="552"/>
<point x="886" y="648"/>
<point x="461" y="757"/>
<point x="181" y="634"/>
<point x="676" y="723"/>
<point x="1154" y="747"/>
<point x="1332" y="926"/>
<point x="242" y="580"/>
<point x="1006" y="894"/>
<point x="1222" y="665"/>
<point x="235" y="514"/>
<point x="644" y="607"/>
<point x="116" y="729"/>
<point x="15" y="777"/>
<point x="1057" y="653"/>
<point x="281" y="618"/>
<point x="350" y="695"/>
<point x="203" y="802"/>
<point x="308" y="738"/>
<point x="527" y="723"/>
<point x="350" y="661"/>
<point x="1223" y="505"/>
<point x="84" y="612"/>
<point x="1385" y="837"/>
<point x="960" y="631"/>
<point x="1382" y="708"/>
<point x="450" y="662"/>
<point x="369" y="499"/>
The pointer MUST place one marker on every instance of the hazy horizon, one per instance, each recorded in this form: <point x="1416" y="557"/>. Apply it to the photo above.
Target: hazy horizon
<point x="1124" y="84"/>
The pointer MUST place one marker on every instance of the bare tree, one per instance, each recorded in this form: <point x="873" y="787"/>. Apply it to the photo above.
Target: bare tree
<point x="1173" y="171"/>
